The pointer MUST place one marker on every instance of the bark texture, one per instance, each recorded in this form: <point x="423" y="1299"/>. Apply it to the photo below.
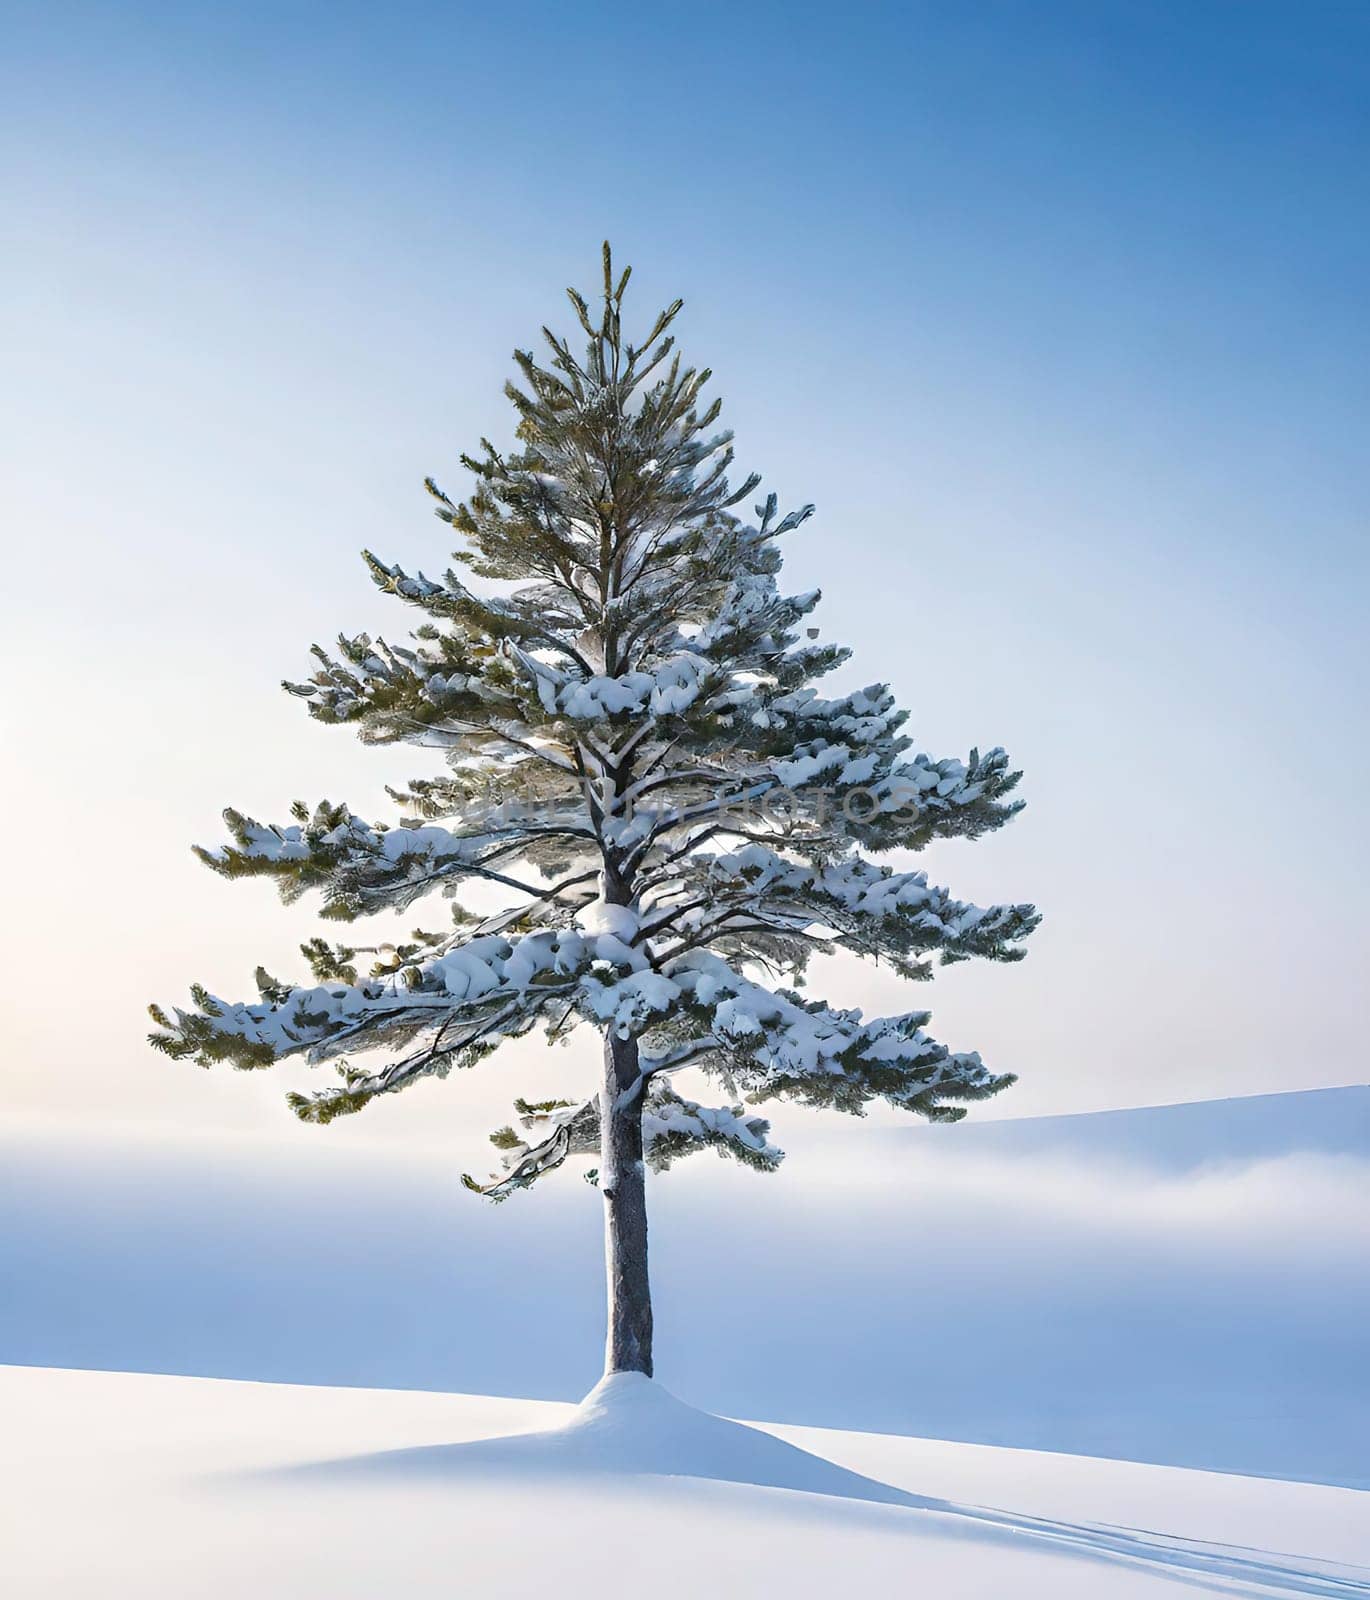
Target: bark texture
<point x="622" y="1182"/>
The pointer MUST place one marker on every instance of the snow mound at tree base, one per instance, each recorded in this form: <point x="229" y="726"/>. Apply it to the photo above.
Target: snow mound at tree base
<point x="628" y="1424"/>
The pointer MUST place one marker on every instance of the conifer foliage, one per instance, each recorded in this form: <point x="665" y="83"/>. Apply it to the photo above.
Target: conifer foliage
<point x="638" y="761"/>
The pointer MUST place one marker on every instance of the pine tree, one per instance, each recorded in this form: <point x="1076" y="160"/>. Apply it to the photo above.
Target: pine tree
<point x="637" y="758"/>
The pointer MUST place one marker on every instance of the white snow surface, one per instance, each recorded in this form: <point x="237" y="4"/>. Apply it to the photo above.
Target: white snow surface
<point x="133" y="1485"/>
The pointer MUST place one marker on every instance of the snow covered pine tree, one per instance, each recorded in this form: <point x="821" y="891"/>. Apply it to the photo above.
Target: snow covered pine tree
<point x="636" y="755"/>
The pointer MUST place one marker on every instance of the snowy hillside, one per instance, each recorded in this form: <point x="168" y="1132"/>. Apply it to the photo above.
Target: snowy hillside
<point x="152" y="1488"/>
<point x="1183" y="1284"/>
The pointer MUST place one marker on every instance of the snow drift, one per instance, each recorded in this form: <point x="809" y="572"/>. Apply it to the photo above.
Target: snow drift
<point x="630" y="1424"/>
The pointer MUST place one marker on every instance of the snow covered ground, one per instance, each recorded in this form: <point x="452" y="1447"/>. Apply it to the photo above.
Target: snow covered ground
<point x="1184" y="1285"/>
<point x="117" y="1485"/>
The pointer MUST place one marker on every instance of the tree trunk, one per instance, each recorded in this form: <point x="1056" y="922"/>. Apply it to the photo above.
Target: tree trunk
<point x="622" y="1182"/>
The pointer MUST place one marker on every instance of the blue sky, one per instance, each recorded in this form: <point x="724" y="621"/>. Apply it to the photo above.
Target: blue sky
<point x="1056" y="311"/>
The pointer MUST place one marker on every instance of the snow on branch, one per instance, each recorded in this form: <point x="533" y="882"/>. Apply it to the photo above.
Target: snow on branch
<point x="672" y="1127"/>
<point x="669" y="688"/>
<point x="455" y="1006"/>
<point x="897" y="916"/>
<point x="360" y="867"/>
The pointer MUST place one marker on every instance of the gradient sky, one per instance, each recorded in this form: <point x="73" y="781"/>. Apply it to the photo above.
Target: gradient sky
<point x="1057" y="311"/>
